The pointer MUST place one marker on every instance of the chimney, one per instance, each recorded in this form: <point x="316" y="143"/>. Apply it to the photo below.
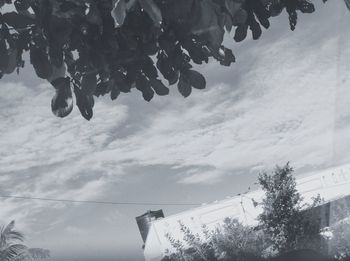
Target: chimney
<point x="144" y="221"/>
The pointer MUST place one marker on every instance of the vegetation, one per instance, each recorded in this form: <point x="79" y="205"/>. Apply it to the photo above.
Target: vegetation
<point x="99" y="47"/>
<point x="232" y="241"/>
<point x="287" y="230"/>
<point x="283" y="219"/>
<point x="340" y="241"/>
<point x="13" y="249"/>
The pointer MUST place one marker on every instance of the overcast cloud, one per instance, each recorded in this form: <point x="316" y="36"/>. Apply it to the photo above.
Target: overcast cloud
<point x="286" y="99"/>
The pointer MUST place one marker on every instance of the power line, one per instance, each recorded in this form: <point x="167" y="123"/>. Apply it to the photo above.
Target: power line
<point x="132" y="203"/>
<point x="100" y="202"/>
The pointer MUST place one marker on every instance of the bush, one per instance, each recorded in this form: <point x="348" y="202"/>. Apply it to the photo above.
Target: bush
<point x="339" y="244"/>
<point x="235" y="241"/>
<point x="230" y="241"/>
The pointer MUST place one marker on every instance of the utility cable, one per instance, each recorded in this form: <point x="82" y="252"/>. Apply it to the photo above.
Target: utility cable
<point x="100" y="202"/>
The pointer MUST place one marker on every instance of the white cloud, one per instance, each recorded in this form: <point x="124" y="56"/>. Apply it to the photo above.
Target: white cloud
<point x="202" y="177"/>
<point x="75" y="231"/>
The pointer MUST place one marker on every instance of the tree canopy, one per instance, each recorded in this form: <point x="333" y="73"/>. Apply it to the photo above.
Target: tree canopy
<point x="284" y="219"/>
<point x="98" y="47"/>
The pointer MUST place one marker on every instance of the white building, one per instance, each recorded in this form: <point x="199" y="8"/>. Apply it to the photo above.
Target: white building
<point x="330" y="184"/>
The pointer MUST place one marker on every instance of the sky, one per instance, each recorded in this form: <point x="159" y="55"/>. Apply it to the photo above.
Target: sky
<point x="285" y="99"/>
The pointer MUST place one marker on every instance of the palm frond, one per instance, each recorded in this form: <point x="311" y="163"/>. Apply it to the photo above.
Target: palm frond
<point x="33" y="254"/>
<point x="11" y="252"/>
<point x="347" y="2"/>
<point x="8" y="234"/>
<point x="39" y="253"/>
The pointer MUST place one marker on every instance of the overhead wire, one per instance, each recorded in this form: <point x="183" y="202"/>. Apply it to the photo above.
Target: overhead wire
<point x="100" y="202"/>
<point x="136" y="203"/>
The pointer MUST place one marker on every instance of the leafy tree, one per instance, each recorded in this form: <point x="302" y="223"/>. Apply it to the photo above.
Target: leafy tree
<point x="284" y="219"/>
<point x="98" y="47"/>
<point x="12" y="249"/>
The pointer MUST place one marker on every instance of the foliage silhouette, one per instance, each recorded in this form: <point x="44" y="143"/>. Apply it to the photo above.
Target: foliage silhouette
<point x="99" y="47"/>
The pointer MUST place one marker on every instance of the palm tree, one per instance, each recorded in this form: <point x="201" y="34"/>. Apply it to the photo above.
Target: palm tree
<point x="12" y="249"/>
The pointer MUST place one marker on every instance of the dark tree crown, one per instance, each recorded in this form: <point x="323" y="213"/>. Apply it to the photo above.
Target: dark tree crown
<point x="98" y="47"/>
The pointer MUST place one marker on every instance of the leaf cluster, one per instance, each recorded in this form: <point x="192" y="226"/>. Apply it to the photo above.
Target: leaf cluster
<point x="91" y="48"/>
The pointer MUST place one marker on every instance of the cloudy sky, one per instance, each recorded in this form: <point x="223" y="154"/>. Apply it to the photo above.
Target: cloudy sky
<point x="286" y="99"/>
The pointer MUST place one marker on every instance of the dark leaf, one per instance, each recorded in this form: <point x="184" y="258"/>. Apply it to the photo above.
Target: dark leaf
<point x="195" y="79"/>
<point x="148" y="68"/>
<point x="57" y="72"/>
<point x="121" y="82"/>
<point x="94" y="16"/>
<point x="305" y="6"/>
<point x="241" y="32"/>
<point x="261" y="13"/>
<point x="196" y="51"/>
<point x="4" y="57"/>
<point x="66" y="9"/>
<point x="233" y="7"/>
<point x="103" y="88"/>
<point x="89" y="84"/>
<point x="167" y="70"/>
<point x="143" y="85"/>
<point x="206" y="22"/>
<point x="17" y="20"/>
<point x="60" y="31"/>
<point x="256" y="30"/>
<point x="228" y="57"/>
<point x="84" y="103"/>
<point x="184" y="86"/>
<point x="228" y="22"/>
<point x="40" y="61"/>
<point x="159" y="87"/>
<point x="62" y="102"/>
<point x="55" y="54"/>
<point x="115" y="92"/>
<point x="121" y="7"/>
<point x="276" y="9"/>
<point x="119" y="12"/>
<point x="21" y="5"/>
<point x="12" y="61"/>
<point x="240" y="17"/>
<point x="152" y="10"/>
<point x="293" y="18"/>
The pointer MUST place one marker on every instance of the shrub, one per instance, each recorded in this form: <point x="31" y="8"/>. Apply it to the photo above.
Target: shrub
<point x="339" y="244"/>
<point x="230" y="241"/>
